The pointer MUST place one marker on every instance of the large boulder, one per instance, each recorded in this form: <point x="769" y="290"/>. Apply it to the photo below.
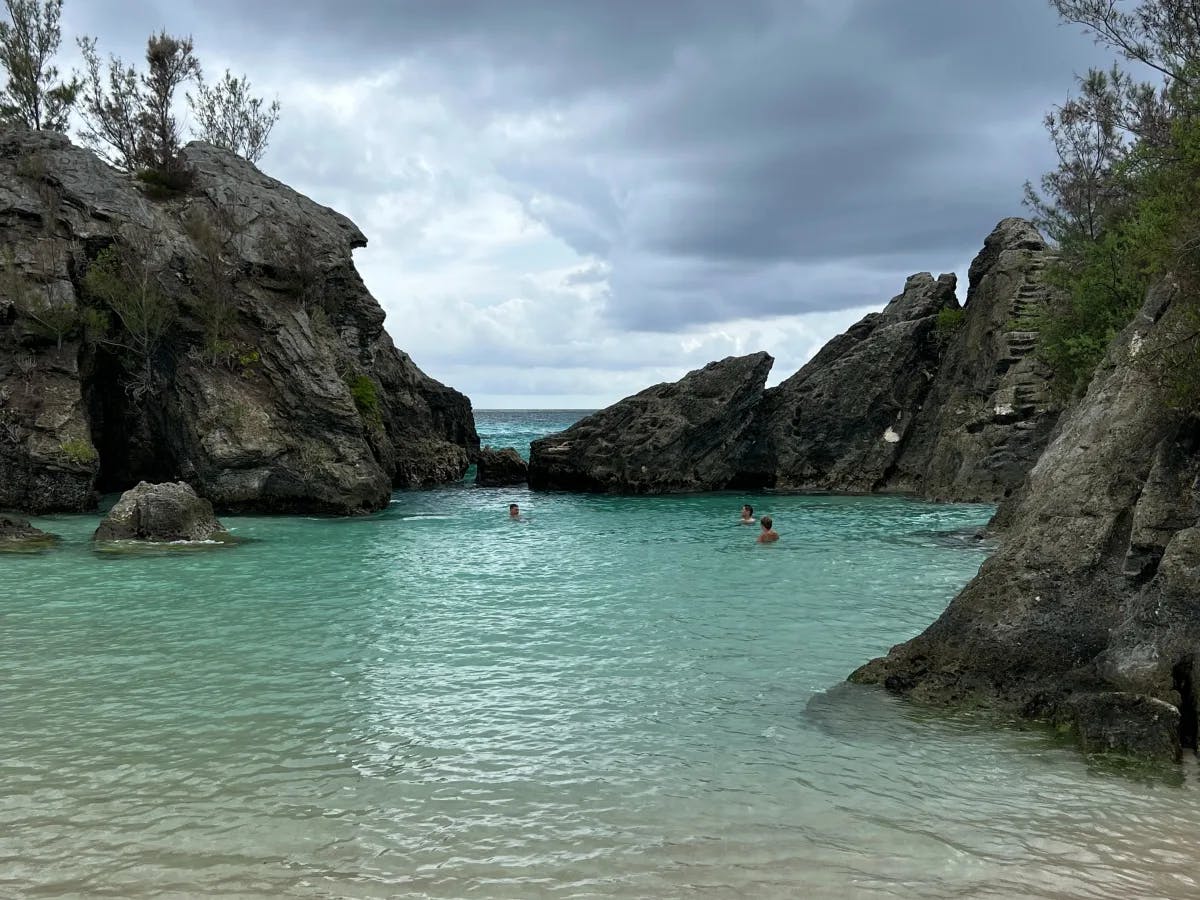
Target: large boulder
<point x="1090" y="609"/>
<point x="167" y="513"/>
<point x="275" y="386"/>
<point x="500" y="468"/>
<point x="18" y="536"/>
<point x="990" y="411"/>
<point x="688" y="435"/>
<point x="842" y="420"/>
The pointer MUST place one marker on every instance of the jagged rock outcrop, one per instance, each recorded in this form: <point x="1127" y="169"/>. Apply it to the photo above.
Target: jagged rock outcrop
<point x="924" y="397"/>
<point x="990" y="411"/>
<point x="161" y="513"/>
<point x="273" y="385"/>
<point x="685" y="436"/>
<point x="1089" y="613"/>
<point x="500" y="468"/>
<point x="841" y="421"/>
<point x="18" y="536"/>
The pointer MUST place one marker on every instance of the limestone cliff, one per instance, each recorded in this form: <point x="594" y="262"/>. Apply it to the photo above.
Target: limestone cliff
<point x="1089" y="613"/>
<point x="923" y="398"/>
<point x="990" y="411"/>
<point x="840" y="423"/>
<point x="669" y="438"/>
<point x="230" y="342"/>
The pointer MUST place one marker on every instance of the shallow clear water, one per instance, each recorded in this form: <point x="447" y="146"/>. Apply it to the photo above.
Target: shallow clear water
<point x="614" y="698"/>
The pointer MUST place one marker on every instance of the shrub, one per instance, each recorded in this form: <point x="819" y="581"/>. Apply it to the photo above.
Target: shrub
<point x="366" y="398"/>
<point x="78" y="451"/>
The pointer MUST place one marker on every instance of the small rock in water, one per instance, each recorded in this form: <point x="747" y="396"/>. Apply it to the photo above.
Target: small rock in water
<point x="161" y="513"/>
<point x="499" y="468"/>
<point x="18" y="536"/>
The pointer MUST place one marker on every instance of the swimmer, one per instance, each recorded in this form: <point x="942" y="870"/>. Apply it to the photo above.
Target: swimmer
<point x="514" y="512"/>
<point x="768" y="535"/>
<point x="747" y="515"/>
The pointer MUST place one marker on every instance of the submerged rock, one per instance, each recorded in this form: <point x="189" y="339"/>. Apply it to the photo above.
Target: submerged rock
<point x="18" y="536"/>
<point x="1089" y="613"/>
<point x="684" y="436"/>
<point x="500" y="468"/>
<point x="165" y="513"/>
<point x="274" y="385"/>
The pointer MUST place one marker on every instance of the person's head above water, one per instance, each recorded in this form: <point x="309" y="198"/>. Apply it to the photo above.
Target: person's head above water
<point x="766" y="523"/>
<point x="513" y="511"/>
<point x="747" y="511"/>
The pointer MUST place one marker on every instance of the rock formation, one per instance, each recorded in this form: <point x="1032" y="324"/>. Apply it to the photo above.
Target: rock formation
<point x="253" y="364"/>
<point x="1089" y="613"/>
<point x="923" y="398"/>
<point x="840" y="423"/>
<point x="162" y="513"/>
<point x="990" y="412"/>
<point x="685" y="436"/>
<point x="500" y="468"/>
<point x="18" y="536"/>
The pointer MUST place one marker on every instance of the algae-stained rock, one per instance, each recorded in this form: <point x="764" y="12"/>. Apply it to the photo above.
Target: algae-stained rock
<point x="990" y="410"/>
<point x="500" y="468"/>
<point x="1125" y="724"/>
<point x="688" y="435"/>
<point x="18" y="536"/>
<point x="1095" y="589"/>
<point x="842" y="420"/>
<point x="275" y="386"/>
<point x="165" y="513"/>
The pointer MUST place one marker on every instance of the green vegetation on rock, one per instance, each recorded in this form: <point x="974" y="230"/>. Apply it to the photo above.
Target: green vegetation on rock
<point x="1123" y="205"/>
<point x="78" y="451"/>
<point x="366" y="398"/>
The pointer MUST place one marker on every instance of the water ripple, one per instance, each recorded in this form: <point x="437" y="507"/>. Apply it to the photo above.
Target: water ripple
<point x="615" y="698"/>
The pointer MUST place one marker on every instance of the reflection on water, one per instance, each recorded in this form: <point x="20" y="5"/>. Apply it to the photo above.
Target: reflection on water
<point x="619" y="698"/>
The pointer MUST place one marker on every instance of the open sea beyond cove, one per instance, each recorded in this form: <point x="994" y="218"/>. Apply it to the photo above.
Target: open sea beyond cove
<point x="618" y="697"/>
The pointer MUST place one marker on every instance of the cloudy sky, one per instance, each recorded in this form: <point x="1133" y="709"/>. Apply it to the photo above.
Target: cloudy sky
<point x="569" y="200"/>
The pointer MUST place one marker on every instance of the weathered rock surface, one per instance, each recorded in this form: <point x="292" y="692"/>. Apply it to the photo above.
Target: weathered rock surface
<point x="840" y="423"/>
<point x="685" y="436"/>
<point x="500" y="468"/>
<point x="18" y="536"/>
<point x="923" y="398"/>
<point x="990" y="411"/>
<point x="1089" y="613"/>
<point x="162" y="513"/>
<point x="274" y="387"/>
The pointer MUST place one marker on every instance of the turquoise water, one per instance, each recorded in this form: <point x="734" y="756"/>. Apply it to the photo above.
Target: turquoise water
<point x="613" y="698"/>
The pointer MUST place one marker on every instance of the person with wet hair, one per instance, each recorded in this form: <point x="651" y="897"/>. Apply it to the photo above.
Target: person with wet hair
<point x="768" y="535"/>
<point x="747" y="515"/>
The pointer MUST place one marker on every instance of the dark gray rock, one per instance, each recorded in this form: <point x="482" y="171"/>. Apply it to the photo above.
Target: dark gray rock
<point x="1124" y="724"/>
<point x="161" y="513"/>
<point x="1095" y="589"/>
<point x="841" y="422"/>
<point x="18" y="536"/>
<point x="990" y="411"/>
<point x="685" y="436"/>
<point x="499" y="468"/>
<point x="302" y="403"/>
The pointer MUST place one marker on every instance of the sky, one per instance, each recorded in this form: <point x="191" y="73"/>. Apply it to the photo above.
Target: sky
<point x="567" y="201"/>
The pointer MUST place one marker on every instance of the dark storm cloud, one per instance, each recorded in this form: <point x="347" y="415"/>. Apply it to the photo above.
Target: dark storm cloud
<point x="721" y="159"/>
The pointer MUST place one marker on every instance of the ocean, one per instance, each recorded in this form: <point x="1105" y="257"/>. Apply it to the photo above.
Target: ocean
<point x="615" y="697"/>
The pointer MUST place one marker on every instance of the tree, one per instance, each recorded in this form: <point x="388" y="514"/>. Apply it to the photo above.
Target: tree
<point x="111" y="108"/>
<point x="34" y="96"/>
<point x="128" y="115"/>
<point x="1123" y="204"/>
<point x="215" y="232"/>
<point x="171" y="63"/>
<point x="123" y="279"/>
<point x="228" y="116"/>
